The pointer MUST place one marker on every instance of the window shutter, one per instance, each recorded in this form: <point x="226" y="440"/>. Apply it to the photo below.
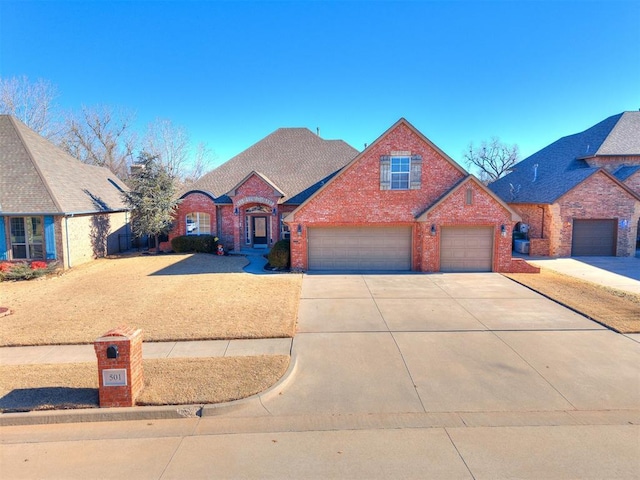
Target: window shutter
<point x="50" y="237"/>
<point x="4" y="253"/>
<point x="385" y="172"/>
<point x="416" y="172"/>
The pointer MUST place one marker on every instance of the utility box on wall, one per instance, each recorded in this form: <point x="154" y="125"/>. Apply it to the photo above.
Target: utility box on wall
<point x="120" y="375"/>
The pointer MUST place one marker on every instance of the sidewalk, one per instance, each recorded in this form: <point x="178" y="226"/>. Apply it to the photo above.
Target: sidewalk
<point x="207" y="348"/>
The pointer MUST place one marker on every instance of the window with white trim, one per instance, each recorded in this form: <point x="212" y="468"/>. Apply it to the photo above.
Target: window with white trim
<point x="400" y="172"/>
<point x="198" y="223"/>
<point x="27" y="238"/>
<point x="400" y="169"/>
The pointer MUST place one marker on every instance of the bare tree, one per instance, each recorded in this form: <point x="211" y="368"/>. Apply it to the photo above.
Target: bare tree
<point x="101" y="136"/>
<point x="32" y="103"/>
<point x="492" y="159"/>
<point x="201" y="163"/>
<point x="171" y="145"/>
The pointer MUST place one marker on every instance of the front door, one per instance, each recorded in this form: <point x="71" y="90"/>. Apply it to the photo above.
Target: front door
<point x="259" y="230"/>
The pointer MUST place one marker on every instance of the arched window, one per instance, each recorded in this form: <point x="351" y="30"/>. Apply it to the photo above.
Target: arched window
<point x="198" y="223"/>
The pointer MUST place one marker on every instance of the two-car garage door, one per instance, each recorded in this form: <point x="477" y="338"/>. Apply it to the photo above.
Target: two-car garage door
<point x="360" y="248"/>
<point x="462" y="249"/>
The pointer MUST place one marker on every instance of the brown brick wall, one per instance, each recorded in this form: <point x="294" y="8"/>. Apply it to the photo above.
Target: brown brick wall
<point x="354" y="198"/>
<point x="598" y="197"/>
<point x="193" y="202"/>
<point x="484" y="211"/>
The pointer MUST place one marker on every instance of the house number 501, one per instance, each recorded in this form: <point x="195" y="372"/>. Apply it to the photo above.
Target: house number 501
<point x="114" y="377"/>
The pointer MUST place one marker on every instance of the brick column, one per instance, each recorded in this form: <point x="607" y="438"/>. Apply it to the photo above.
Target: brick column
<point x="120" y="375"/>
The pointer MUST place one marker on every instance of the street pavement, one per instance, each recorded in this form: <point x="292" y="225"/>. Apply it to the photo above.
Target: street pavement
<point x="465" y="376"/>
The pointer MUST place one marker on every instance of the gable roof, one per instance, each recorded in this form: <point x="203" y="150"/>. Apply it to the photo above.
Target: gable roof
<point x="292" y="159"/>
<point x="424" y="216"/>
<point x="551" y="172"/>
<point x="327" y="181"/>
<point x="38" y="178"/>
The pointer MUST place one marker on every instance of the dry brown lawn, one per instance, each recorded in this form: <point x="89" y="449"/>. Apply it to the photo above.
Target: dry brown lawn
<point x="170" y="297"/>
<point x="616" y="309"/>
<point x="185" y="381"/>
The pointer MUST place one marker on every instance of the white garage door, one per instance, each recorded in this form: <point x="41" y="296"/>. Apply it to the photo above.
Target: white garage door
<point x="466" y="249"/>
<point x="360" y="249"/>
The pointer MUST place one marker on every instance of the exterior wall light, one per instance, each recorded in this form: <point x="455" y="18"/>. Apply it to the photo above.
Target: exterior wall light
<point x="433" y="229"/>
<point x="503" y="230"/>
<point x="235" y="211"/>
<point x="299" y="229"/>
<point x="273" y="211"/>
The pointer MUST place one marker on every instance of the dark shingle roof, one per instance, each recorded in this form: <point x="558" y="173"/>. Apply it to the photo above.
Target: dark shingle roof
<point x="551" y="172"/>
<point x="626" y="171"/>
<point x="292" y="159"/>
<point x="36" y="177"/>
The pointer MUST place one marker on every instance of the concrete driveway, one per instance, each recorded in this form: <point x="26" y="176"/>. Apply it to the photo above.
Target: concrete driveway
<point x="450" y="343"/>
<point x="622" y="273"/>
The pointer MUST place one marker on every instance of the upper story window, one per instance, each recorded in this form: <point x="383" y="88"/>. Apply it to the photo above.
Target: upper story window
<point x="400" y="169"/>
<point x="400" y="172"/>
<point x="198" y="223"/>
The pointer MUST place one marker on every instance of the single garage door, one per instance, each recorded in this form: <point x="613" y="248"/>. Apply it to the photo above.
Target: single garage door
<point x="466" y="249"/>
<point x="594" y="237"/>
<point x="361" y="249"/>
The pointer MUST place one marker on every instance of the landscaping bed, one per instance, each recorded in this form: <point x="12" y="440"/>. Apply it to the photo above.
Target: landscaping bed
<point x="613" y="308"/>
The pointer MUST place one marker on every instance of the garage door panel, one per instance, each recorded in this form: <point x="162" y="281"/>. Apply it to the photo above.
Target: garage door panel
<point x="466" y="249"/>
<point x="594" y="237"/>
<point x="383" y="248"/>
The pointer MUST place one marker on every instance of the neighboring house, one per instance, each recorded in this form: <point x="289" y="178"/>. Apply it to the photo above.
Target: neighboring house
<point x="403" y="204"/>
<point x="52" y="206"/>
<point x="581" y="194"/>
<point x="244" y="200"/>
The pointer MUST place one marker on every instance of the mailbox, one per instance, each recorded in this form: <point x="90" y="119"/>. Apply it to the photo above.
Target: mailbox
<point x="120" y="376"/>
<point x="112" y="351"/>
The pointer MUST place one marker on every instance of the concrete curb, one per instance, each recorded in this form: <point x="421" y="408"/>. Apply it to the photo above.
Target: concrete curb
<point x="163" y="412"/>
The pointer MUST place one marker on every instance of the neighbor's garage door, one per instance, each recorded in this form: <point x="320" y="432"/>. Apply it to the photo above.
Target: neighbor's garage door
<point x="594" y="237"/>
<point x="382" y="248"/>
<point x="466" y="249"/>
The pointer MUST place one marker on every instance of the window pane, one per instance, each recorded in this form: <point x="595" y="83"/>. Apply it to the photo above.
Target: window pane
<point x="36" y="233"/>
<point x="36" y="251"/>
<point x="18" y="234"/>
<point x="19" y="251"/>
<point x="204" y="224"/>
<point x="192" y="224"/>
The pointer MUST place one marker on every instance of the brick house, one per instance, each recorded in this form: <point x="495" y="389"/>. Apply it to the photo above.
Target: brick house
<point x="52" y="206"/>
<point x="581" y="194"/>
<point x="244" y="200"/>
<point x="403" y="204"/>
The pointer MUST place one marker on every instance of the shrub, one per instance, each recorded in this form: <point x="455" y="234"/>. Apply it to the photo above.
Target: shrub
<point x="195" y="243"/>
<point x="26" y="271"/>
<point x="279" y="256"/>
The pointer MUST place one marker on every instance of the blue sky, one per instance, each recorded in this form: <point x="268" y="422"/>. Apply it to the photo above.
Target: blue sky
<point x="233" y="72"/>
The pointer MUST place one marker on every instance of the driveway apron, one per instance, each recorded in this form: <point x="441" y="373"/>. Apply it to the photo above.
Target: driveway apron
<point x="449" y="343"/>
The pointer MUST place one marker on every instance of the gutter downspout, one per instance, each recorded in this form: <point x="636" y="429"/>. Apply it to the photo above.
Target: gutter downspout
<point x="542" y="227"/>
<point x="66" y="232"/>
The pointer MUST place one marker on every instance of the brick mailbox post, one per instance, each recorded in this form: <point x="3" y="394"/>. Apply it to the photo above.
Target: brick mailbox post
<point x="120" y="376"/>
